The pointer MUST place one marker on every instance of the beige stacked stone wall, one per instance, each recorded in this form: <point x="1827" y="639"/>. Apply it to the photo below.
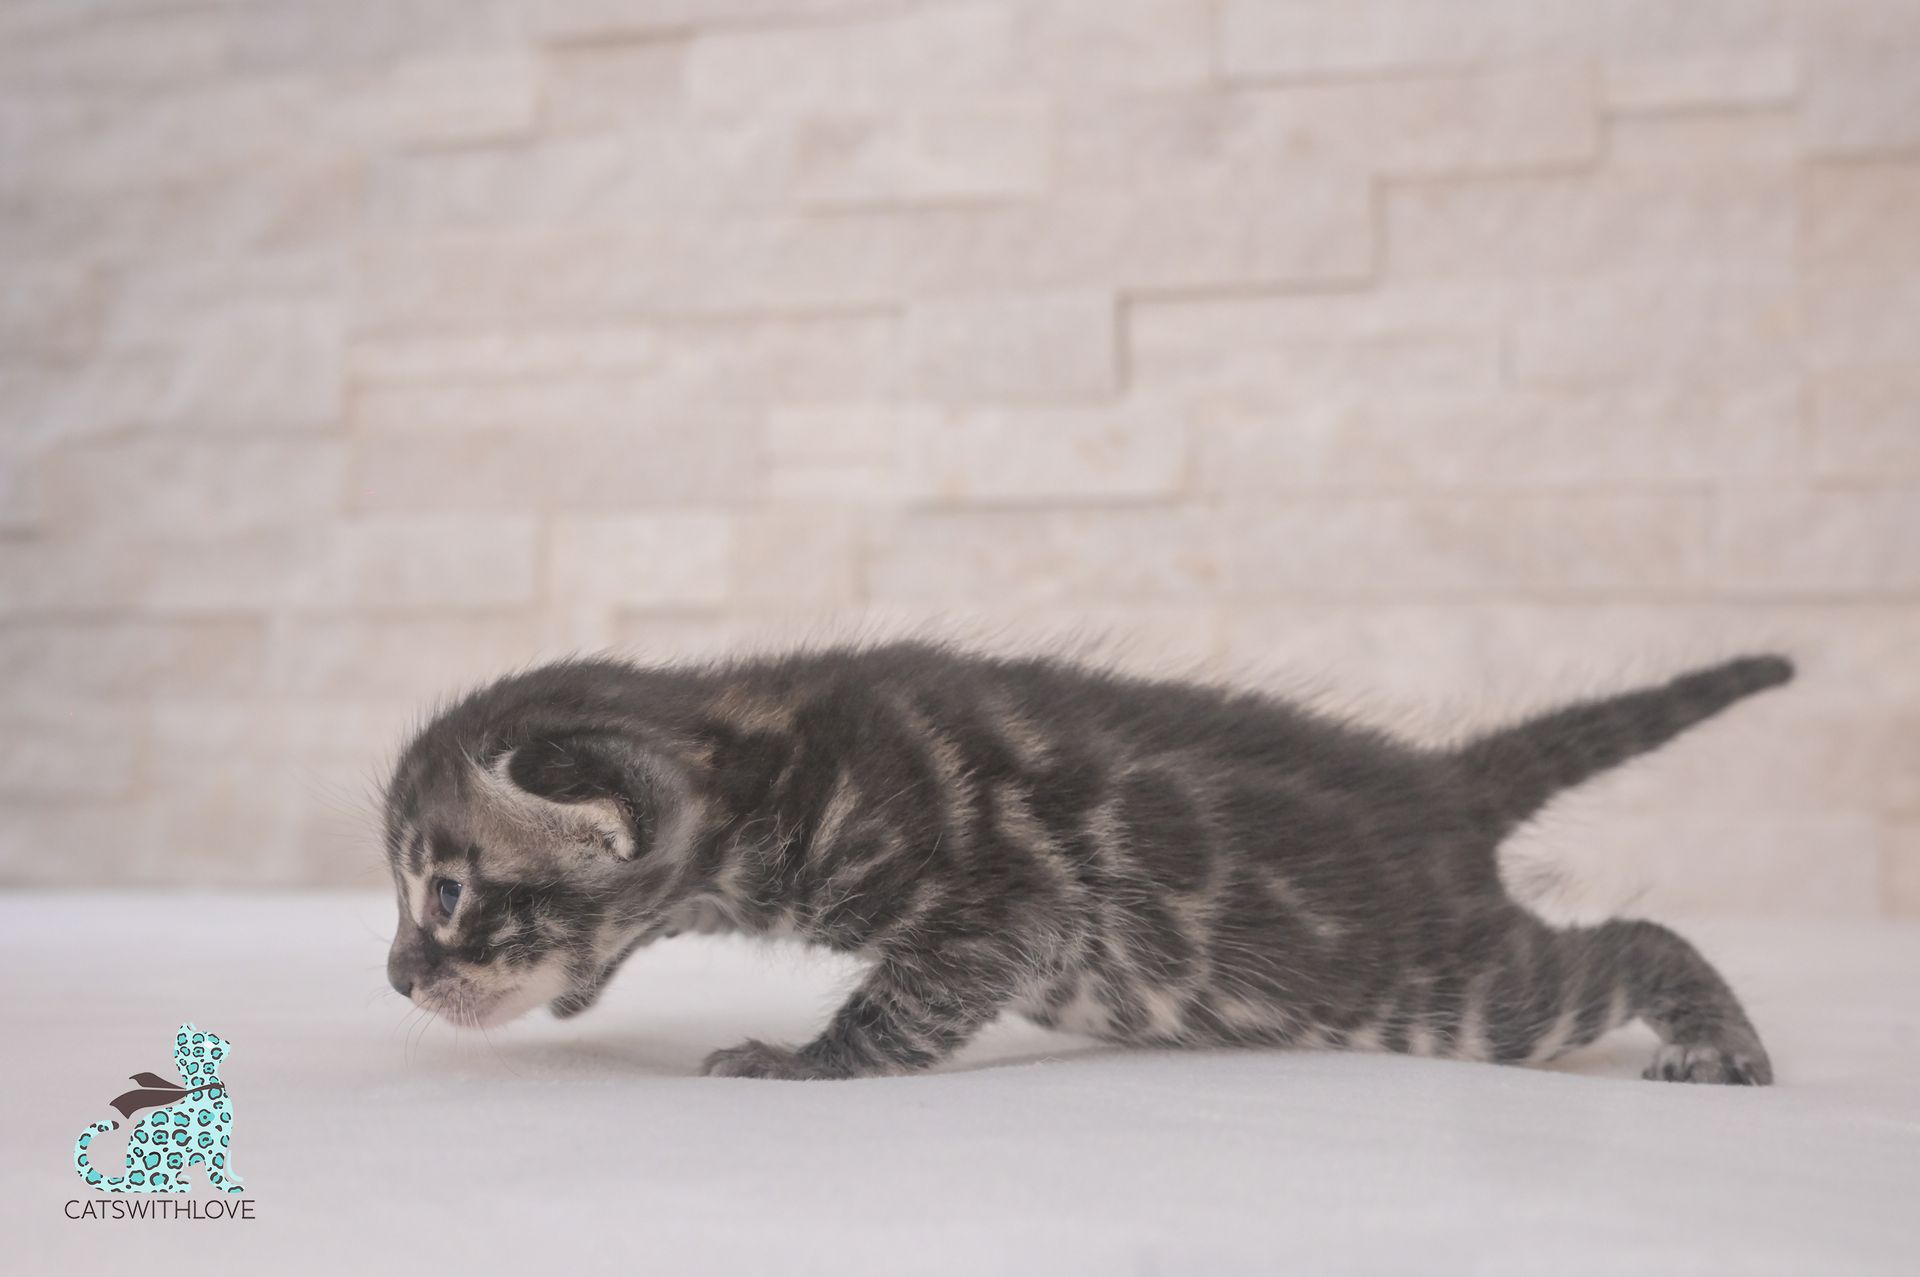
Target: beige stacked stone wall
<point x="1435" y="357"/>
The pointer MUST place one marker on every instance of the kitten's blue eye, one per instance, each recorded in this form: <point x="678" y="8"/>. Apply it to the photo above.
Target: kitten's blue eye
<point x="449" y="896"/>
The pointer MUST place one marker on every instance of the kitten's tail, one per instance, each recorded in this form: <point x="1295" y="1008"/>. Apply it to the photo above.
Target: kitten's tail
<point x="1520" y="768"/>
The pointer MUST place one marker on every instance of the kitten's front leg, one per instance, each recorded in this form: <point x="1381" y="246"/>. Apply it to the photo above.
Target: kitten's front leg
<point x="900" y="1020"/>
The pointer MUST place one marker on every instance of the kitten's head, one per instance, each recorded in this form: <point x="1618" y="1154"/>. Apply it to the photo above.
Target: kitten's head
<point x="527" y="860"/>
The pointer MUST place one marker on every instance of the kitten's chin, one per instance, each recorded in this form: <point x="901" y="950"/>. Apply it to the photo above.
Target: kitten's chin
<point x="488" y="1012"/>
<point x="572" y="1002"/>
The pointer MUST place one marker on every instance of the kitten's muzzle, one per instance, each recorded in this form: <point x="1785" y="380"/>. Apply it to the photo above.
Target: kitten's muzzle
<point x="414" y="959"/>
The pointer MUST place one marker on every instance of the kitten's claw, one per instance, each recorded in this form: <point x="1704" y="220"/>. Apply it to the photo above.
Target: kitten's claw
<point x="1675" y="1063"/>
<point x="757" y="1059"/>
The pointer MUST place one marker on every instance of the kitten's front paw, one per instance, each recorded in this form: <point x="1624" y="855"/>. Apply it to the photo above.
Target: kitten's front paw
<point x="1675" y="1063"/>
<point x="757" y="1059"/>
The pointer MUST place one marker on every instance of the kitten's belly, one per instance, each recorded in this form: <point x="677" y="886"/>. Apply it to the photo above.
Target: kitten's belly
<point x="1072" y="1006"/>
<point x="1143" y="1012"/>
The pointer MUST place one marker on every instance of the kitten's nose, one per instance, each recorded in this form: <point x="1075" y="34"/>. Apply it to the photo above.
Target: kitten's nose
<point x="413" y="957"/>
<point x="400" y="975"/>
<point x="403" y="969"/>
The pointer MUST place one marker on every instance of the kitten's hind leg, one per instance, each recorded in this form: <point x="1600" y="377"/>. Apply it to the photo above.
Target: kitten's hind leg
<point x="1705" y="1036"/>
<point x="1563" y="989"/>
<point x="904" y="1017"/>
<point x="1550" y="991"/>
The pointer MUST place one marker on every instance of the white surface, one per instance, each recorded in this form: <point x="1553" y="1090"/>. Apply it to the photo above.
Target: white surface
<point x="591" y="1146"/>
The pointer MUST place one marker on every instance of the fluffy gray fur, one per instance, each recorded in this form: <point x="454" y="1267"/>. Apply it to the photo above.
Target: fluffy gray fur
<point x="1146" y="861"/>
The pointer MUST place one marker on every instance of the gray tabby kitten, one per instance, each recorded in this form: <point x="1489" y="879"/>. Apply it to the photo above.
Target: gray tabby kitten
<point x="1148" y="862"/>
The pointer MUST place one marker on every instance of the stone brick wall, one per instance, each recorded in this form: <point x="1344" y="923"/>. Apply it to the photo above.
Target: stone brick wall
<point x="1436" y="358"/>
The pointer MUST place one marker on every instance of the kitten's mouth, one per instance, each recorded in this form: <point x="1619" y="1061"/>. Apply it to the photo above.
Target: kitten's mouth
<point x="468" y="1003"/>
<point x="458" y="1007"/>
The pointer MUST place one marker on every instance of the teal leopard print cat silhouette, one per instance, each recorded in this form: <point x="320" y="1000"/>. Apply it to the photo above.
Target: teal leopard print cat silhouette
<point x="192" y="1127"/>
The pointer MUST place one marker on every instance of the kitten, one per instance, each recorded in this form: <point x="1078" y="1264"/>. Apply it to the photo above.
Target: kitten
<point x="1144" y="861"/>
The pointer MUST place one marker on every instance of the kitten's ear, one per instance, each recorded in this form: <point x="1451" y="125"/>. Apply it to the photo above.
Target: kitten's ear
<point x="574" y="768"/>
<point x="588" y="789"/>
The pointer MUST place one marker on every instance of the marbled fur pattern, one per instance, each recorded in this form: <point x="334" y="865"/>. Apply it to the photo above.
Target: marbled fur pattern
<point x="1149" y="862"/>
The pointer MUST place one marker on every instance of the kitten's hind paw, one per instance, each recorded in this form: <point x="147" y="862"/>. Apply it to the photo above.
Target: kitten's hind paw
<point x="1679" y="1063"/>
<point x="757" y="1059"/>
